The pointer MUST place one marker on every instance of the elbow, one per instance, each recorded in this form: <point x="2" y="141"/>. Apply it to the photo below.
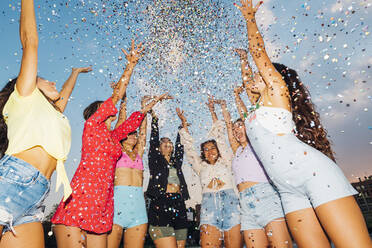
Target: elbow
<point x="29" y="40"/>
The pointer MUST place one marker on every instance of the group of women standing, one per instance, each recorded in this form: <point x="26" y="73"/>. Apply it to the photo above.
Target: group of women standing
<point x="277" y="179"/>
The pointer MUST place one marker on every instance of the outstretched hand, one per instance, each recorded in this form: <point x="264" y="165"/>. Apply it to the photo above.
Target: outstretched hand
<point x="82" y="69"/>
<point x="136" y="52"/>
<point x="181" y="115"/>
<point x="157" y="99"/>
<point x="247" y="9"/>
<point x="210" y="103"/>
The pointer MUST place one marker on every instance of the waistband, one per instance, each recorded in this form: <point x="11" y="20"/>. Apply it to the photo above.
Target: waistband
<point x="25" y="167"/>
<point x="128" y="188"/>
<point x="257" y="188"/>
<point x="220" y="192"/>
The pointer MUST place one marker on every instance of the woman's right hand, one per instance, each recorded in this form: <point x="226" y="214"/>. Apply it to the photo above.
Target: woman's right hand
<point x="247" y="9"/>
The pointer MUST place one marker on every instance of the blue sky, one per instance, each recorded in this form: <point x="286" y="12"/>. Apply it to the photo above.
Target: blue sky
<point x="189" y="54"/>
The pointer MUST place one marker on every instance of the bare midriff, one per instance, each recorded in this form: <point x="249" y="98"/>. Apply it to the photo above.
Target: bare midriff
<point x="40" y="159"/>
<point x="173" y="188"/>
<point x="125" y="176"/>
<point x="244" y="185"/>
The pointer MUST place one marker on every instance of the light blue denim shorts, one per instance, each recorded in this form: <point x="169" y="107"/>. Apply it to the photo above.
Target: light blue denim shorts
<point x="220" y="209"/>
<point x="22" y="192"/>
<point x="260" y="205"/>
<point x="129" y="206"/>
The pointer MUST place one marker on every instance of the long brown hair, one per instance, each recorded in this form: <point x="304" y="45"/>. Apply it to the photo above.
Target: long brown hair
<point x="307" y="120"/>
<point x="4" y="96"/>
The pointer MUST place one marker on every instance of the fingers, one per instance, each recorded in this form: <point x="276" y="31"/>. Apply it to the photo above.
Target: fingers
<point x="125" y="52"/>
<point x="258" y="5"/>
<point x="132" y="46"/>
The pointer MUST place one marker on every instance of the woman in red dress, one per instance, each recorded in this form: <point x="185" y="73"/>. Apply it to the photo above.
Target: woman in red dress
<point x="86" y="216"/>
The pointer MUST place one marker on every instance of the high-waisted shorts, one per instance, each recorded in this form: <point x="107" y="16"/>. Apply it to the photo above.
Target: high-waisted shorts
<point x="220" y="209"/>
<point x="23" y="190"/>
<point x="260" y="205"/>
<point x="129" y="206"/>
<point x="168" y="210"/>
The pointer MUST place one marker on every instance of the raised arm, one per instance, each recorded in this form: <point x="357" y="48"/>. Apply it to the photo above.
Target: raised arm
<point x="69" y="85"/>
<point x="247" y="75"/>
<point x="26" y="81"/>
<point x="210" y="105"/>
<point x="154" y="138"/>
<point x="242" y="109"/>
<point x="217" y="132"/>
<point x="122" y="112"/>
<point x="142" y="130"/>
<point x="188" y="143"/>
<point x="133" y="56"/>
<point x="277" y="88"/>
<point x="226" y="115"/>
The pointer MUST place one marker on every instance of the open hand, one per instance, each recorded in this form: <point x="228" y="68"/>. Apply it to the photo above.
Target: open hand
<point x="181" y="115"/>
<point x="247" y="9"/>
<point x="82" y="69"/>
<point x="136" y="52"/>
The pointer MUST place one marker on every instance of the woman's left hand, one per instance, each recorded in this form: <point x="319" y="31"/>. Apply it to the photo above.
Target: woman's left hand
<point x="136" y="52"/>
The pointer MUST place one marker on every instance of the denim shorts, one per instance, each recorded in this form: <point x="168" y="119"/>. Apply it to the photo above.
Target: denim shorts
<point x="260" y="205"/>
<point x="22" y="192"/>
<point x="220" y="209"/>
<point x="129" y="206"/>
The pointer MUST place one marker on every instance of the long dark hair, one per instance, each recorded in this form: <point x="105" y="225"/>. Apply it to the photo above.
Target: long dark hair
<point x="307" y="120"/>
<point x="4" y="96"/>
<point x="91" y="109"/>
<point x="202" y="154"/>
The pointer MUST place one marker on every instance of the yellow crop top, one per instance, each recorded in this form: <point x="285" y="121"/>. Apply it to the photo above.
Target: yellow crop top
<point x="33" y="121"/>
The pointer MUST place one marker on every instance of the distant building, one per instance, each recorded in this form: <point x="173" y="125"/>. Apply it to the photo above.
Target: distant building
<point x="364" y="198"/>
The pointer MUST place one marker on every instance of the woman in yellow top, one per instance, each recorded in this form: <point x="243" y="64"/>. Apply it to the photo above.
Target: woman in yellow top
<point x="35" y="138"/>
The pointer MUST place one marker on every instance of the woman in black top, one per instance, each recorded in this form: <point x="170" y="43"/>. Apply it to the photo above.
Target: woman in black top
<point x="167" y="190"/>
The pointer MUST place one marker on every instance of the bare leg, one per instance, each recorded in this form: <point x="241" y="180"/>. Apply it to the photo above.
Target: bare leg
<point x="96" y="240"/>
<point x="181" y="243"/>
<point x="1" y="231"/>
<point x="343" y="213"/>
<point x="306" y="229"/>
<point x="233" y="237"/>
<point x="166" y="242"/>
<point x="277" y="234"/>
<point x="30" y="235"/>
<point x="114" y="237"/>
<point x="255" y="238"/>
<point x="69" y="236"/>
<point x="210" y="236"/>
<point x="134" y="237"/>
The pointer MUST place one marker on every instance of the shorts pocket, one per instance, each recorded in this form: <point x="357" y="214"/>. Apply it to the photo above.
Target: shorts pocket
<point x="15" y="176"/>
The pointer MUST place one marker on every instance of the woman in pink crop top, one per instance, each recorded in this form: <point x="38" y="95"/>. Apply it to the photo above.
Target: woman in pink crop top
<point x="262" y="215"/>
<point x="129" y="202"/>
<point x="25" y="175"/>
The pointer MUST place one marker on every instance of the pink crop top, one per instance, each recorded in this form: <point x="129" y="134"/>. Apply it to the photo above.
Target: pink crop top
<point x="126" y="161"/>
<point x="246" y="166"/>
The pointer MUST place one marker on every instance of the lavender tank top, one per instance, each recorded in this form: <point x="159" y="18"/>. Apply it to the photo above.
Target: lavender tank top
<point x="246" y="166"/>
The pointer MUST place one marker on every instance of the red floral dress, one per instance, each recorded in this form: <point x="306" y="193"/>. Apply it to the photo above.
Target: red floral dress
<point x="91" y="204"/>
